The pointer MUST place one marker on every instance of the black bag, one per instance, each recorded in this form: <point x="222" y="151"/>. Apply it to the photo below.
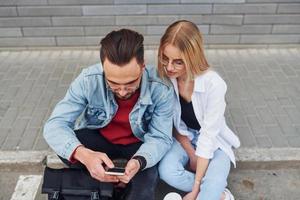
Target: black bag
<point x="74" y="184"/>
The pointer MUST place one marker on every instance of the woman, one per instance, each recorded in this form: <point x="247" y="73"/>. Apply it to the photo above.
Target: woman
<point x="202" y="138"/>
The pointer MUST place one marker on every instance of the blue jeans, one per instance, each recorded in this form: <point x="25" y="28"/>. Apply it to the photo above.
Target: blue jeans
<point x="172" y="171"/>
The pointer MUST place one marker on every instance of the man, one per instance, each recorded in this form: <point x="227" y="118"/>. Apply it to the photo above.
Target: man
<point x="119" y="109"/>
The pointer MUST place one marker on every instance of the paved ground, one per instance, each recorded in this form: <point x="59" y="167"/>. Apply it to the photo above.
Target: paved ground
<point x="263" y="109"/>
<point x="263" y="93"/>
<point x="8" y="182"/>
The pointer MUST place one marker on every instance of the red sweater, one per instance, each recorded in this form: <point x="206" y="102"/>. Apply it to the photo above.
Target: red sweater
<point x="118" y="131"/>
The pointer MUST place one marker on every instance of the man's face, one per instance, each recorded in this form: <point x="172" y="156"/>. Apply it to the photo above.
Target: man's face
<point x="123" y="80"/>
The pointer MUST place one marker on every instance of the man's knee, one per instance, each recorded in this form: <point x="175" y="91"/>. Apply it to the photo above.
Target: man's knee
<point x="146" y="180"/>
<point x="143" y="184"/>
<point x="149" y="175"/>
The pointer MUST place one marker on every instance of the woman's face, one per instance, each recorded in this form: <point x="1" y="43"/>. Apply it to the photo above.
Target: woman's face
<point x="172" y="62"/>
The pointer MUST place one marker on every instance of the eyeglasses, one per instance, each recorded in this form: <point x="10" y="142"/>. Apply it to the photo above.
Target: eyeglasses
<point x="130" y="87"/>
<point x="127" y="88"/>
<point x="177" y="64"/>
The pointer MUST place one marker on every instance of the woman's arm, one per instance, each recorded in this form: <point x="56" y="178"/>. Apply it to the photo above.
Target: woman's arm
<point x="188" y="147"/>
<point x="185" y="142"/>
<point x="197" y="164"/>
<point x="210" y="128"/>
<point x="202" y="164"/>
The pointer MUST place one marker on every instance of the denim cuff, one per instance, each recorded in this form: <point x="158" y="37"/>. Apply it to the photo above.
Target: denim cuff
<point x="141" y="160"/>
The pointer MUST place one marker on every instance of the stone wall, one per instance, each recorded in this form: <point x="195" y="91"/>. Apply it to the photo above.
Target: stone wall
<point x="43" y="23"/>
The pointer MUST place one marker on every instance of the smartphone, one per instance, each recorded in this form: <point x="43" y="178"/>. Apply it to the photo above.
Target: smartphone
<point x="116" y="171"/>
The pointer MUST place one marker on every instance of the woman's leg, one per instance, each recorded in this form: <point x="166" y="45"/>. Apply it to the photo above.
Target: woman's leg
<point x="215" y="179"/>
<point x="171" y="168"/>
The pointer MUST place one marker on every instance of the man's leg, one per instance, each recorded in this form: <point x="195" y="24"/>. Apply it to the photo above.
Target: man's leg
<point x="143" y="184"/>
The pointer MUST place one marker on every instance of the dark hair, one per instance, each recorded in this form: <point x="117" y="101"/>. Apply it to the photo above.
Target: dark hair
<point x="119" y="47"/>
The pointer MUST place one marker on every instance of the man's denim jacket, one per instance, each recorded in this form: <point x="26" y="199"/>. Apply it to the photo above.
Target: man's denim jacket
<point x="89" y="104"/>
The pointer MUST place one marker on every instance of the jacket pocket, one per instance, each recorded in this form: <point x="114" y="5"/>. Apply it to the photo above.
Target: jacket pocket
<point x="95" y="115"/>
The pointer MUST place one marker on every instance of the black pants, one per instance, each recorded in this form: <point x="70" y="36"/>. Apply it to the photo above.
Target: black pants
<point x="142" y="185"/>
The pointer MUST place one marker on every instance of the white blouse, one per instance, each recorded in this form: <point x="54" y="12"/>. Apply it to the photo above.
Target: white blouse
<point x="208" y="100"/>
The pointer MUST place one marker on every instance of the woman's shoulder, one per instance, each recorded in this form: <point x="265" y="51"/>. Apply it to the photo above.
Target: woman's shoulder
<point x="212" y="75"/>
<point x="210" y="79"/>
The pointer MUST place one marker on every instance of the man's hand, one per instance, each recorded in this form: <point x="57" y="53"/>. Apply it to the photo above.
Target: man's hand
<point x="94" y="163"/>
<point x="131" y="169"/>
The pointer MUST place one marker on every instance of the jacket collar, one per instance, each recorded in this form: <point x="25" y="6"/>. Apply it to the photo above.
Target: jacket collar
<point x="145" y="96"/>
<point x="198" y="87"/>
<point x="199" y="84"/>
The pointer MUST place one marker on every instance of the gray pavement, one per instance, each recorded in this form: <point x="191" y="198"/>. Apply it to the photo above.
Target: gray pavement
<point x="263" y="93"/>
<point x="9" y="179"/>
<point x="263" y="108"/>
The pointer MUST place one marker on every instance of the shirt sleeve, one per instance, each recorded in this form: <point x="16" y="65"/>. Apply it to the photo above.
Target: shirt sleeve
<point x="58" y="130"/>
<point x="212" y="121"/>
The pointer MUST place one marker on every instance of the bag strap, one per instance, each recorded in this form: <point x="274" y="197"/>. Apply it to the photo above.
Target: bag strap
<point x="106" y="190"/>
<point x="95" y="196"/>
<point x="52" y="183"/>
<point x="54" y="195"/>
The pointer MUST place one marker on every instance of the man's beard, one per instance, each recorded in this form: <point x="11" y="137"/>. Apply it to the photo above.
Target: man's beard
<point x="127" y="96"/>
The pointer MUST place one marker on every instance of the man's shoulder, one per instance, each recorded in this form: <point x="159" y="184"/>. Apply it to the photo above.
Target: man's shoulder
<point x="161" y="90"/>
<point x="95" y="69"/>
<point x="153" y="76"/>
<point x="151" y="69"/>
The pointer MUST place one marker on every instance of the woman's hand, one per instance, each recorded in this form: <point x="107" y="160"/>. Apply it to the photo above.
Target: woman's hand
<point x="194" y="193"/>
<point x="191" y="196"/>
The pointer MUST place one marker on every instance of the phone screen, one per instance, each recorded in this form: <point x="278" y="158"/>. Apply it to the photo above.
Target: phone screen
<point x="115" y="171"/>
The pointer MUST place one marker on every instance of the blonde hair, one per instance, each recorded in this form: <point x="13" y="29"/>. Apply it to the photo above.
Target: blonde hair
<point x="185" y="36"/>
